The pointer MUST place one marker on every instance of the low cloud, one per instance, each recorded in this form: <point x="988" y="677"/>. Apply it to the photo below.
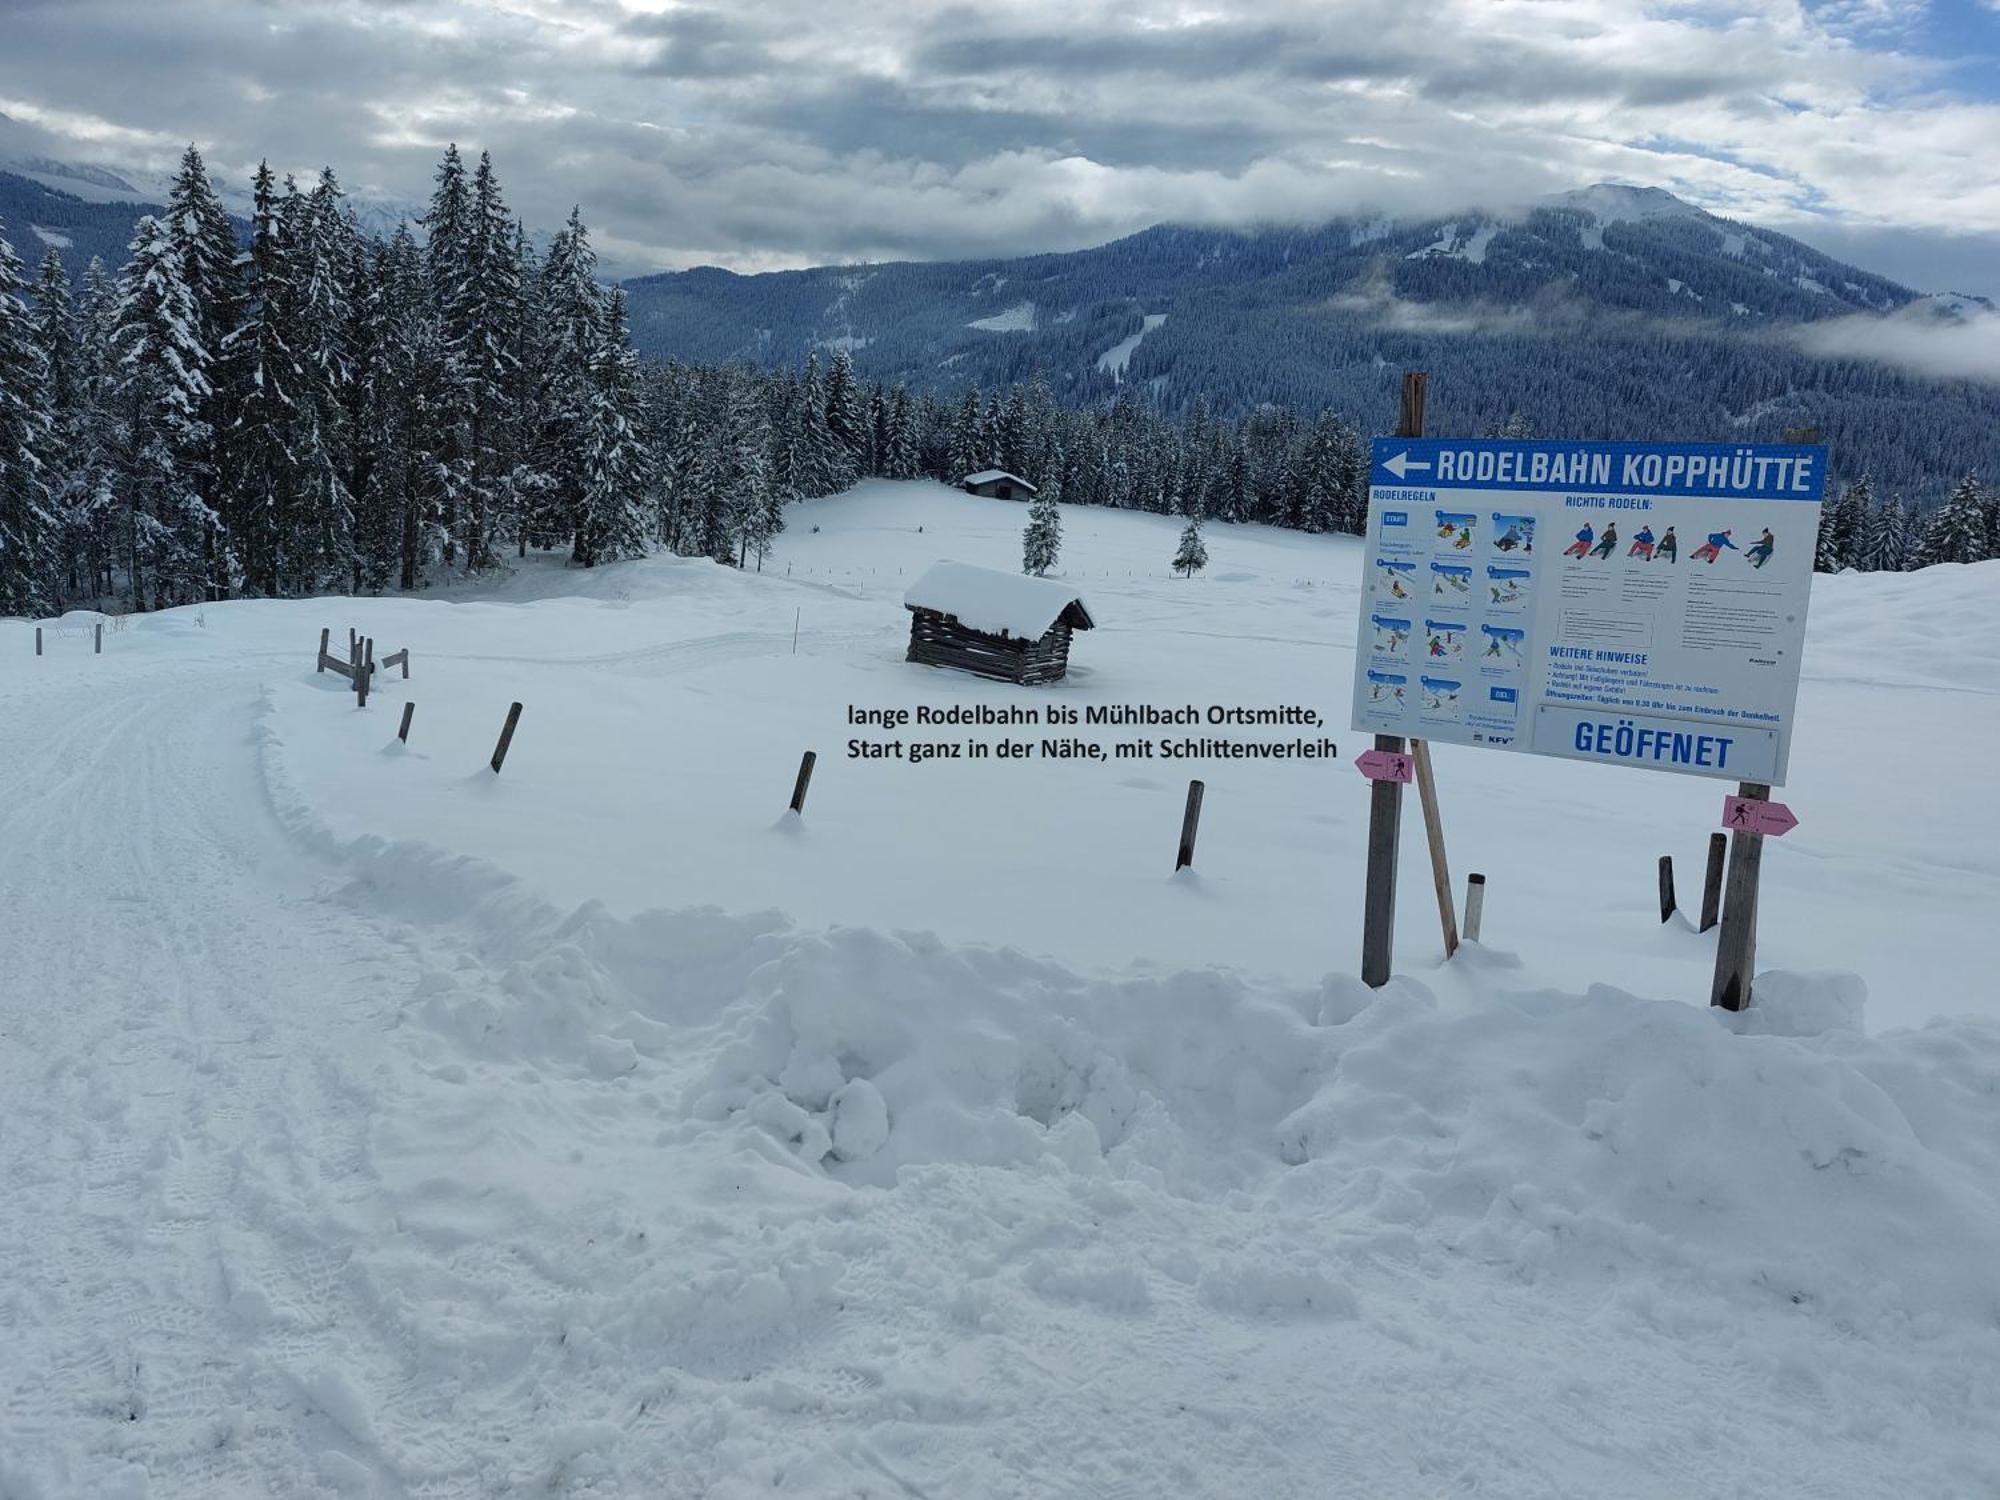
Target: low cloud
<point x="1921" y="338"/>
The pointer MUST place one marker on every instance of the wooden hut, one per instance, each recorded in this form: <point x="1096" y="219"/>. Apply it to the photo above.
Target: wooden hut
<point x="997" y="484"/>
<point x="1004" y="625"/>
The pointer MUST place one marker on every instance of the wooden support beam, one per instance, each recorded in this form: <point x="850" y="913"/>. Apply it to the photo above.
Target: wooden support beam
<point x="1736" y="949"/>
<point x="1434" y="836"/>
<point x="1668" y="906"/>
<point x="325" y="634"/>
<point x="403" y="729"/>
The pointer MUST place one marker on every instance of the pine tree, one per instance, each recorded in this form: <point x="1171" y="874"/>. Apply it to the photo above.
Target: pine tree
<point x="1887" y="546"/>
<point x="53" y="326"/>
<point x="616" y="518"/>
<point x="822" y="465"/>
<point x="570" y="308"/>
<point x="26" y="444"/>
<point x="846" y="419"/>
<point x="171" y="535"/>
<point x="1192" y="555"/>
<point x="968" y="456"/>
<point x="1041" y="541"/>
<point x="263" y="489"/>
<point x="901" y="458"/>
<point x="90" y="536"/>
<point x="1958" y="532"/>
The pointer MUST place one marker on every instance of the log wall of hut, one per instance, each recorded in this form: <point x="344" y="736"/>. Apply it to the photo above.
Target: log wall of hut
<point x="938" y="640"/>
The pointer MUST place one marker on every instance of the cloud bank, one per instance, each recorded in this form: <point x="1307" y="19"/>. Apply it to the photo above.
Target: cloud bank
<point x="789" y="133"/>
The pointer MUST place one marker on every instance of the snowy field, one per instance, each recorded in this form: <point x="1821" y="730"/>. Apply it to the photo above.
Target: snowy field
<point x="377" y="1126"/>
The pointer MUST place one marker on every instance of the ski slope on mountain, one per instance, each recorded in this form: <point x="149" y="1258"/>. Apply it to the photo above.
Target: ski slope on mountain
<point x="379" y="1126"/>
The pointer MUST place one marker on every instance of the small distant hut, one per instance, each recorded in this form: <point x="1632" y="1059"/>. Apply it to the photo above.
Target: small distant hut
<point x="998" y="484"/>
<point x="1004" y="625"/>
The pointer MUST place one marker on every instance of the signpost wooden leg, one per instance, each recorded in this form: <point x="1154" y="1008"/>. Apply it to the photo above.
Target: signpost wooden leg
<point x="1434" y="836"/>
<point x="1736" y="950"/>
<point x="1385" y="832"/>
<point x="1385" y="798"/>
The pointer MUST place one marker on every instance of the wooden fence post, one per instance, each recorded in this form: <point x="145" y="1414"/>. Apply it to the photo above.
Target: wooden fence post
<point x="1475" y="905"/>
<point x="1434" y="837"/>
<point x="364" y="668"/>
<point x="1385" y="798"/>
<point x="1190" y="824"/>
<point x="1736" y="949"/>
<point x="38" y="640"/>
<point x="403" y="729"/>
<point x="1711" y="883"/>
<point x="506" y="737"/>
<point x="1668" y="906"/>
<point x="806" y="764"/>
<point x="319" y="662"/>
<point x="100" y="638"/>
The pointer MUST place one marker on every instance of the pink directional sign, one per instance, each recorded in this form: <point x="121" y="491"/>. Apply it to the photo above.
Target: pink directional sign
<point x="1386" y="765"/>
<point x="1749" y="815"/>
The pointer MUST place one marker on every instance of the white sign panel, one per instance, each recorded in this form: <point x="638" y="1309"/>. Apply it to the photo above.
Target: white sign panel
<point x="1639" y="603"/>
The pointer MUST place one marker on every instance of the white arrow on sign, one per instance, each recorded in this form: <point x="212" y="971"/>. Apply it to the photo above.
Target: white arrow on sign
<point x="1402" y="463"/>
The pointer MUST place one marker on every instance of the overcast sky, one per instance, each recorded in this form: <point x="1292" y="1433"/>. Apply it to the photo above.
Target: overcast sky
<point x="790" y="132"/>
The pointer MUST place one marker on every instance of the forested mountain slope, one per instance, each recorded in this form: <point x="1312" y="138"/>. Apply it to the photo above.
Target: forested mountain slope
<point x="1610" y="312"/>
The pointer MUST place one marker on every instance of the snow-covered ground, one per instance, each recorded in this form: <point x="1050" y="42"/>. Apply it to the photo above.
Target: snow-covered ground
<point x="377" y="1126"/>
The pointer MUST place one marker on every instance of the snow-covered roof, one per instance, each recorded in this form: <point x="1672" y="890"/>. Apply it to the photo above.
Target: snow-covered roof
<point x="988" y="476"/>
<point x="995" y="602"/>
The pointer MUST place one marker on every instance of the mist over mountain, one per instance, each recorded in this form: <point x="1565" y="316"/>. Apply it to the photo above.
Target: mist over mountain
<point x="1610" y="312"/>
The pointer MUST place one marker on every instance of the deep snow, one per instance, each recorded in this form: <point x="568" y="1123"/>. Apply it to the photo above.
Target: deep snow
<point x="375" y="1125"/>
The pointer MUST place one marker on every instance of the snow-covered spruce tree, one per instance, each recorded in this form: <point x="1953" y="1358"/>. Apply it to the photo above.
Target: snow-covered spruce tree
<point x="968" y="455"/>
<point x="263" y="491"/>
<point x="1192" y="555"/>
<point x="752" y="512"/>
<point x="322" y="251"/>
<point x="1958" y="531"/>
<point x="27" y="441"/>
<point x="1886" y="542"/>
<point x="1041" y="541"/>
<point x="846" y="419"/>
<point x="169" y="531"/>
<point x="88" y="526"/>
<point x="481" y="324"/>
<point x="570" y="306"/>
<point x="822" y="465"/>
<point x="53" y="323"/>
<point x="616" y="513"/>
<point x="901" y="461"/>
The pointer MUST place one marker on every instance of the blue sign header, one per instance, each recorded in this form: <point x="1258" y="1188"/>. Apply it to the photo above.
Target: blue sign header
<point x="1718" y="471"/>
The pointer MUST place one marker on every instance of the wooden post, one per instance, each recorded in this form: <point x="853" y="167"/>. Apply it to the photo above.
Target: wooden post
<point x="797" y="615"/>
<point x="1434" y="836"/>
<point x="353" y="640"/>
<point x="506" y="737"/>
<point x="1736" y="949"/>
<point x="1475" y="905"/>
<point x="368" y="651"/>
<point x="319" y="663"/>
<point x="1668" y="906"/>
<point x="1711" y="883"/>
<point x="403" y="729"/>
<point x="100" y="638"/>
<point x="406" y="664"/>
<point x="1190" y="824"/>
<point x="38" y="640"/>
<point x="364" y="667"/>
<point x="806" y="764"/>
<point x="1385" y="798"/>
